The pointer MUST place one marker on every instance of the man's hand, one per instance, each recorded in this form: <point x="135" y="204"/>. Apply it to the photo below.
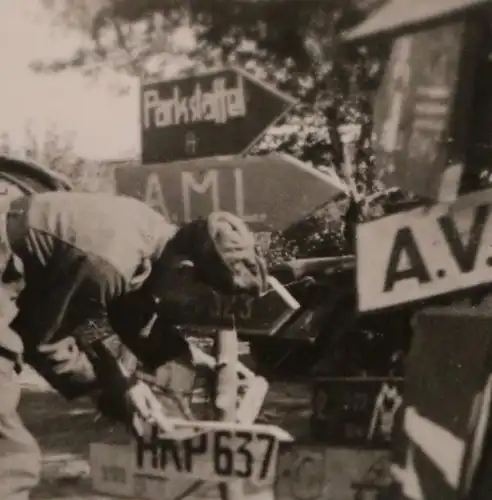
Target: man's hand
<point x="136" y="406"/>
<point x="62" y="354"/>
<point x="67" y="358"/>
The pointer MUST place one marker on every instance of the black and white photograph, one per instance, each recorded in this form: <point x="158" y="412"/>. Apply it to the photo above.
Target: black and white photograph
<point x="243" y="250"/>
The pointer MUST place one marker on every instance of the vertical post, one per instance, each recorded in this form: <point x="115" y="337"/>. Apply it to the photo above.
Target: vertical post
<point x="226" y="392"/>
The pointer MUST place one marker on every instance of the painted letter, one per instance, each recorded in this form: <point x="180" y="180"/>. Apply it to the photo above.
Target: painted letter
<point x="150" y="102"/>
<point x="154" y="196"/>
<point x="240" y="198"/>
<point x="465" y="253"/>
<point x="188" y="183"/>
<point x="405" y="246"/>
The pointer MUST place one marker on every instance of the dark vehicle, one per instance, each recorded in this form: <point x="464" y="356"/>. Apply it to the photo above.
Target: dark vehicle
<point x="327" y="336"/>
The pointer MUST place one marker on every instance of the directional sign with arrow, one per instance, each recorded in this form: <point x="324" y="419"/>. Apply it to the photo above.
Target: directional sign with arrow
<point x="270" y="192"/>
<point x="212" y="114"/>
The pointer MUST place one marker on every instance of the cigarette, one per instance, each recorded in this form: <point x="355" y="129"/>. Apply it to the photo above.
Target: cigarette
<point x="287" y="297"/>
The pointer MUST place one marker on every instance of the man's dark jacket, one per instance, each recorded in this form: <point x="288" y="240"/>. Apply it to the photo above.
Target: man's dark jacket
<point x="81" y="253"/>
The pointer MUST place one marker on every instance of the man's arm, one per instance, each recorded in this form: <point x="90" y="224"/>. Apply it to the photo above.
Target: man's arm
<point x="69" y="293"/>
<point x="82" y="285"/>
<point x="129" y="317"/>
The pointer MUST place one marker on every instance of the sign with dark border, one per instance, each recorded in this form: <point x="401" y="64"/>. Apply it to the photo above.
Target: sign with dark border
<point x="219" y="113"/>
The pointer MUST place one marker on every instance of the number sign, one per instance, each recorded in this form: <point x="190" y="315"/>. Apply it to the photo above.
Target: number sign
<point x="355" y="412"/>
<point x="220" y="452"/>
<point x="200" y="309"/>
<point x="419" y="128"/>
<point x="212" y="456"/>
<point x="252" y="316"/>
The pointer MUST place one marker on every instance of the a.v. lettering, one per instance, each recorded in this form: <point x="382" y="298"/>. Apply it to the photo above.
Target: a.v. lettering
<point x="406" y="260"/>
<point x="405" y="249"/>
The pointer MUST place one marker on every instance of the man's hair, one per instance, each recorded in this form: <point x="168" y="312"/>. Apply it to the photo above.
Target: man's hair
<point x="224" y="253"/>
<point x="230" y="258"/>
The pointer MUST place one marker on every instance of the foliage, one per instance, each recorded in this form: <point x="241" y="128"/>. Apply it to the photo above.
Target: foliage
<point x="291" y="44"/>
<point x="328" y="232"/>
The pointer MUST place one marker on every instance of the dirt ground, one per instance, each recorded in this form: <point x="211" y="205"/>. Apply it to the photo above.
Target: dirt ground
<point x="64" y="431"/>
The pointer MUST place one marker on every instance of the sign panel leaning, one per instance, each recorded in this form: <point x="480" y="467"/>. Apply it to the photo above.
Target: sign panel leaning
<point x="425" y="252"/>
<point x="218" y="113"/>
<point x="419" y="130"/>
<point x="186" y="190"/>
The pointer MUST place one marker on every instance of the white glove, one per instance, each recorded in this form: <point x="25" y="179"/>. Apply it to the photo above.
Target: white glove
<point x="147" y="409"/>
<point x="67" y="358"/>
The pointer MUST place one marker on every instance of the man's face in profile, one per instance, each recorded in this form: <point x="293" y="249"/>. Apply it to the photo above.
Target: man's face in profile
<point x="12" y="281"/>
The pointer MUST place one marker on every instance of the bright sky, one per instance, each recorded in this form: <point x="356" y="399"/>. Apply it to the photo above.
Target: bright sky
<point x="104" y="125"/>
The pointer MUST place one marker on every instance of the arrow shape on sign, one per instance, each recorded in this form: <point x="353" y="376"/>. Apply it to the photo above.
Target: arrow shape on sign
<point x="259" y="189"/>
<point x="270" y="91"/>
<point x="219" y="113"/>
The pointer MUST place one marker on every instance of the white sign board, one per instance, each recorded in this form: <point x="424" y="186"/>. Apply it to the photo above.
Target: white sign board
<point x="426" y="252"/>
<point x="224" y="453"/>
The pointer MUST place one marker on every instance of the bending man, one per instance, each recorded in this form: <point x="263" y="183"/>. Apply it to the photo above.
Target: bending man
<point x="81" y="255"/>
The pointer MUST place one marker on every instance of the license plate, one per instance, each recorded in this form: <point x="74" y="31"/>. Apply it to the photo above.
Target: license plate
<point x="226" y="452"/>
<point x="213" y="456"/>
